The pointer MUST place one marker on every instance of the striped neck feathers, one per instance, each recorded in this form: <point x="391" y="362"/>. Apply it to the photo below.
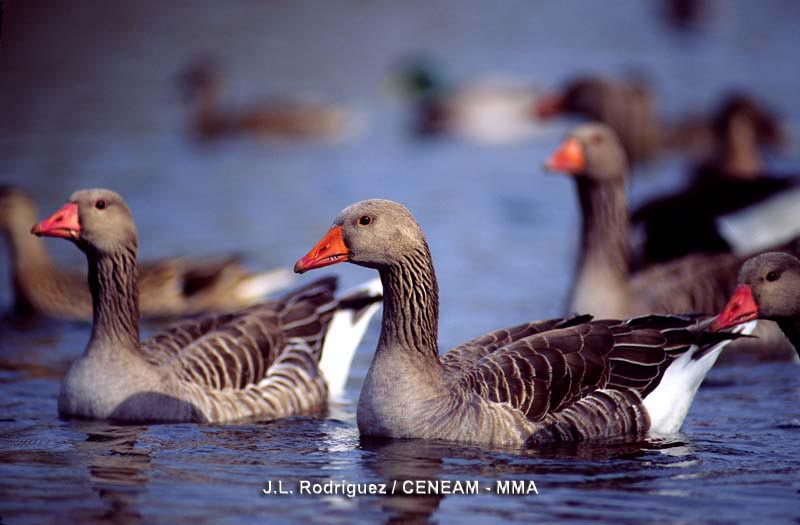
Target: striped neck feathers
<point x="600" y="286"/>
<point x="604" y="228"/>
<point x="115" y="298"/>
<point x="411" y="304"/>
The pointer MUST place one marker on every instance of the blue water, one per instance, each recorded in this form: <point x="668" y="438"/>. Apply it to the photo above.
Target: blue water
<point x="88" y="98"/>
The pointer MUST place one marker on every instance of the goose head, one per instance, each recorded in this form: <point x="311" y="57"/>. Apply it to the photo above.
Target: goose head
<point x="96" y="220"/>
<point x="374" y="233"/>
<point x="744" y="111"/>
<point x="769" y="288"/>
<point x="583" y="95"/>
<point x="592" y="151"/>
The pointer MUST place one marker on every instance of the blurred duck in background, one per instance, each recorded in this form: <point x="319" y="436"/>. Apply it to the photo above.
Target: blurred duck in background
<point x="731" y="178"/>
<point x="626" y="106"/>
<point x="491" y="110"/>
<point x="169" y="287"/>
<point x="604" y="286"/>
<point x="201" y="85"/>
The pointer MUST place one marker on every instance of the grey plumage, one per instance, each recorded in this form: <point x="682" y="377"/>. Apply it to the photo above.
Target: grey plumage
<point x="169" y="287"/>
<point x="261" y="362"/>
<point x="699" y="283"/>
<point x="549" y="380"/>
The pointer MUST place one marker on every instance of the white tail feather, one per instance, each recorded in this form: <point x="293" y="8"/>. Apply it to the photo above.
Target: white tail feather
<point x="262" y="284"/>
<point x="342" y="339"/>
<point x="669" y="403"/>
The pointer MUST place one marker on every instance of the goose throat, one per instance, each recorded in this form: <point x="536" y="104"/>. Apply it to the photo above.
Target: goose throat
<point x="411" y="304"/>
<point x="115" y="298"/>
<point x="604" y="236"/>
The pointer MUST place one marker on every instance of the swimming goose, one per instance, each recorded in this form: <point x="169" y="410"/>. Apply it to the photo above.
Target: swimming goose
<point x="260" y="362"/>
<point x="627" y="107"/>
<point x="169" y="287"/>
<point x="603" y="284"/>
<point x="769" y="288"/>
<point x="555" y="380"/>
<point x="731" y="179"/>
<point x="289" y="119"/>
<point x="593" y="156"/>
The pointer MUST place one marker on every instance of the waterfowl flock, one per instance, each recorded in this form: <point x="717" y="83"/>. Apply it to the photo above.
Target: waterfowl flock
<point x="638" y="336"/>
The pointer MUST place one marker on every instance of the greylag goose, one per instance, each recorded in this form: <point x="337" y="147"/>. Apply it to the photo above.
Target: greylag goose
<point x="261" y="362"/>
<point x="555" y="380"/>
<point x="627" y="107"/>
<point x="492" y="110"/>
<point x="731" y="179"/>
<point x="168" y="287"/>
<point x="603" y="285"/>
<point x="769" y="288"/>
<point x="593" y="156"/>
<point x="270" y="119"/>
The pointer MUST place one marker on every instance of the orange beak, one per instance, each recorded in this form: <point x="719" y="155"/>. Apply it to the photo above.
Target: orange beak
<point x="740" y="309"/>
<point x="568" y="158"/>
<point x="64" y="223"/>
<point x="330" y="250"/>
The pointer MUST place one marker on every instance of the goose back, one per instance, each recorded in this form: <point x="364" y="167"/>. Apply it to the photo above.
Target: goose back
<point x="261" y="362"/>
<point x="557" y="379"/>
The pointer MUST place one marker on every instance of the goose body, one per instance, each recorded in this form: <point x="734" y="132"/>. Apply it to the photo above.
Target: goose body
<point x="556" y="380"/>
<point x="260" y="362"/>
<point x="730" y="181"/>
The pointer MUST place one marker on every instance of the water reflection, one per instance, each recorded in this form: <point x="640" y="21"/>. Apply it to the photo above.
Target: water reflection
<point x="406" y="460"/>
<point x="118" y="470"/>
<point x="588" y="468"/>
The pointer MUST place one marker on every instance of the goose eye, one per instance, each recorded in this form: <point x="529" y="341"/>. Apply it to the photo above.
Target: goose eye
<point x="364" y="220"/>
<point x="596" y="139"/>
<point x="772" y="276"/>
<point x="100" y="205"/>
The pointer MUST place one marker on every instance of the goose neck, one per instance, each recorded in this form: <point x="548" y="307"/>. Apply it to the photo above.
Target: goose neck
<point x="604" y="228"/>
<point x="411" y="305"/>
<point x="738" y="153"/>
<point x="115" y="300"/>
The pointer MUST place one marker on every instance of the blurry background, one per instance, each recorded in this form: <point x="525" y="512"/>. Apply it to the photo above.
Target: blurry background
<point x="90" y="95"/>
<point x="97" y="93"/>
